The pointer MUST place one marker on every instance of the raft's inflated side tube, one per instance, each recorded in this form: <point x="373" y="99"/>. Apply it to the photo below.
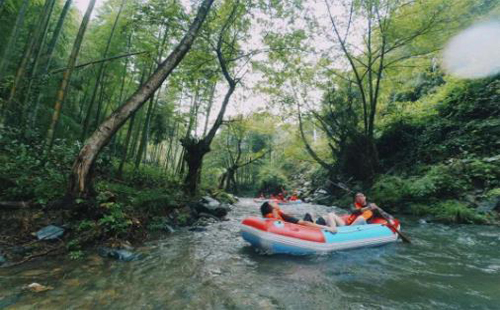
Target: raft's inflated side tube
<point x="275" y="236"/>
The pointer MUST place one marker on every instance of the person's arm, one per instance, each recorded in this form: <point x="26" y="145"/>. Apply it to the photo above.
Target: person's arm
<point x="355" y="211"/>
<point x="382" y="212"/>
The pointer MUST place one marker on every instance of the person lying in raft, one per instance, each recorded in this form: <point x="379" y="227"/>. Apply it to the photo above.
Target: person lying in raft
<point x="271" y="210"/>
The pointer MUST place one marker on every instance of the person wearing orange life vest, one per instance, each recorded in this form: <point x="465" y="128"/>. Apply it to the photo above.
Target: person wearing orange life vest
<point x="362" y="211"/>
<point x="271" y="210"/>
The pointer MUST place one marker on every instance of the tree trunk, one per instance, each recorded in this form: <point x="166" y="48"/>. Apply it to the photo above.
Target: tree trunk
<point x="100" y="73"/>
<point x="151" y="108"/>
<point x="36" y="61"/>
<point x="48" y="55"/>
<point x="4" y="62"/>
<point x="127" y="142"/>
<point x="80" y="181"/>
<point x="209" y="108"/>
<point x="194" y="160"/>
<point x="63" y="90"/>
<point x="33" y="45"/>
<point x="144" y="136"/>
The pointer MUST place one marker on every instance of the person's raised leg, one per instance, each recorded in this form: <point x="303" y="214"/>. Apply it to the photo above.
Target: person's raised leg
<point x="359" y="221"/>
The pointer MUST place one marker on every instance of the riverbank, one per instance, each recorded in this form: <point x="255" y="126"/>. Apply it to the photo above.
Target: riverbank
<point x="127" y="210"/>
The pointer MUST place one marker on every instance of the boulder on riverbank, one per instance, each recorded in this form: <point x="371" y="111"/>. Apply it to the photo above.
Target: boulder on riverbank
<point x="208" y="205"/>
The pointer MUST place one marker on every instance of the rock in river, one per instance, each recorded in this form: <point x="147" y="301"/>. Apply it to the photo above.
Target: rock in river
<point x="118" y="254"/>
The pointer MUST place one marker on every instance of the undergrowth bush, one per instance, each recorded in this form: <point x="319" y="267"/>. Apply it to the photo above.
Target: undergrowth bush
<point x="271" y="180"/>
<point x="389" y="191"/>
<point x="29" y="173"/>
<point x="452" y="211"/>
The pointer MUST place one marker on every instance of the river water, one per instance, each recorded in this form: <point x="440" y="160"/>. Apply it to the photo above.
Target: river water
<point x="446" y="267"/>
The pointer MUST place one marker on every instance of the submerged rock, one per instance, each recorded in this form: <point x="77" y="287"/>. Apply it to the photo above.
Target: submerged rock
<point x="119" y="254"/>
<point x="3" y="260"/>
<point x="9" y="300"/>
<point x="37" y="288"/>
<point x="49" y="233"/>
<point x="197" y="229"/>
<point x="168" y="228"/>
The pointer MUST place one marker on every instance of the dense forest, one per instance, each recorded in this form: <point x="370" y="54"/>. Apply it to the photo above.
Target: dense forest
<point x="115" y="120"/>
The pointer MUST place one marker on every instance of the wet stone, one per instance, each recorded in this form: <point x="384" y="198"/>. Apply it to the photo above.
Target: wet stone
<point x="49" y="233"/>
<point x="197" y="229"/>
<point x="492" y="204"/>
<point x="168" y="228"/>
<point x="122" y="255"/>
<point x="3" y="260"/>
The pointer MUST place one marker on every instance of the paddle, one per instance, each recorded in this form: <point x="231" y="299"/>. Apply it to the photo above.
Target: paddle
<point x="386" y="216"/>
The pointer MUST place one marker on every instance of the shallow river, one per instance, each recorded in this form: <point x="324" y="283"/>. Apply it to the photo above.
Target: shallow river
<point x="446" y="267"/>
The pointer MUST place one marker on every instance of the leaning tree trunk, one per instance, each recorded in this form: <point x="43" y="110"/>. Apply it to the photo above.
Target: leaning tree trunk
<point x="80" y="181"/>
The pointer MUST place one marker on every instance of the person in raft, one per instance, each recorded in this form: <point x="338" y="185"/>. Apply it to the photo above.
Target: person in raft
<point x="361" y="214"/>
<point x="362" y="211"/>
<point x="271" y="210"/>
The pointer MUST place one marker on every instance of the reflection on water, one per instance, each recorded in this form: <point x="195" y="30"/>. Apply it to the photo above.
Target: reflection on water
<point x="445" y="267"/>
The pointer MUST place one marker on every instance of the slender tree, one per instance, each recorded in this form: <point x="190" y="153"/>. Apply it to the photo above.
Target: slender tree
<point x="195" y="149"/>
<point x="63" y="89"/>
<point x="100" y="73"/>
<point x="34" y="44"/>
<point x="4" y="61"/>
<point x="48" y="57"/>
<point x="81" y="176"/>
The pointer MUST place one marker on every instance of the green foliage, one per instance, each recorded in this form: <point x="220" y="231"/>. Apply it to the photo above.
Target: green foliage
<point x="155" y="199"/>
<point x="183" y="219"/>
<point x="30" y="175"/>
<point x="271" y="180"/>
<point x="76" y="255"/>
<point x="114" y="219"/>
<point x="85" y="225"/>
<point x="389" y="191"/>
<point x="495" y="192"/>
<point x="451" y="211"/>
<point x="222" y="196"/>
<point x="421" y="209"/>
<point x="466" y="123"/>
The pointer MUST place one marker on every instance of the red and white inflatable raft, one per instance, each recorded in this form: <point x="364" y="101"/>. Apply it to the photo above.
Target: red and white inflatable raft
<point x="276" y="236"/>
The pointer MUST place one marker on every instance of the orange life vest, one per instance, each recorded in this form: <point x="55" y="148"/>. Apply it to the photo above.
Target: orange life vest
<point x="271" y="216"/>
<point x="366" y="214"/>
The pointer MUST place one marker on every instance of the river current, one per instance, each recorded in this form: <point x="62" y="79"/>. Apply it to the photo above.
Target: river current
<point x="445" y="267"/>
